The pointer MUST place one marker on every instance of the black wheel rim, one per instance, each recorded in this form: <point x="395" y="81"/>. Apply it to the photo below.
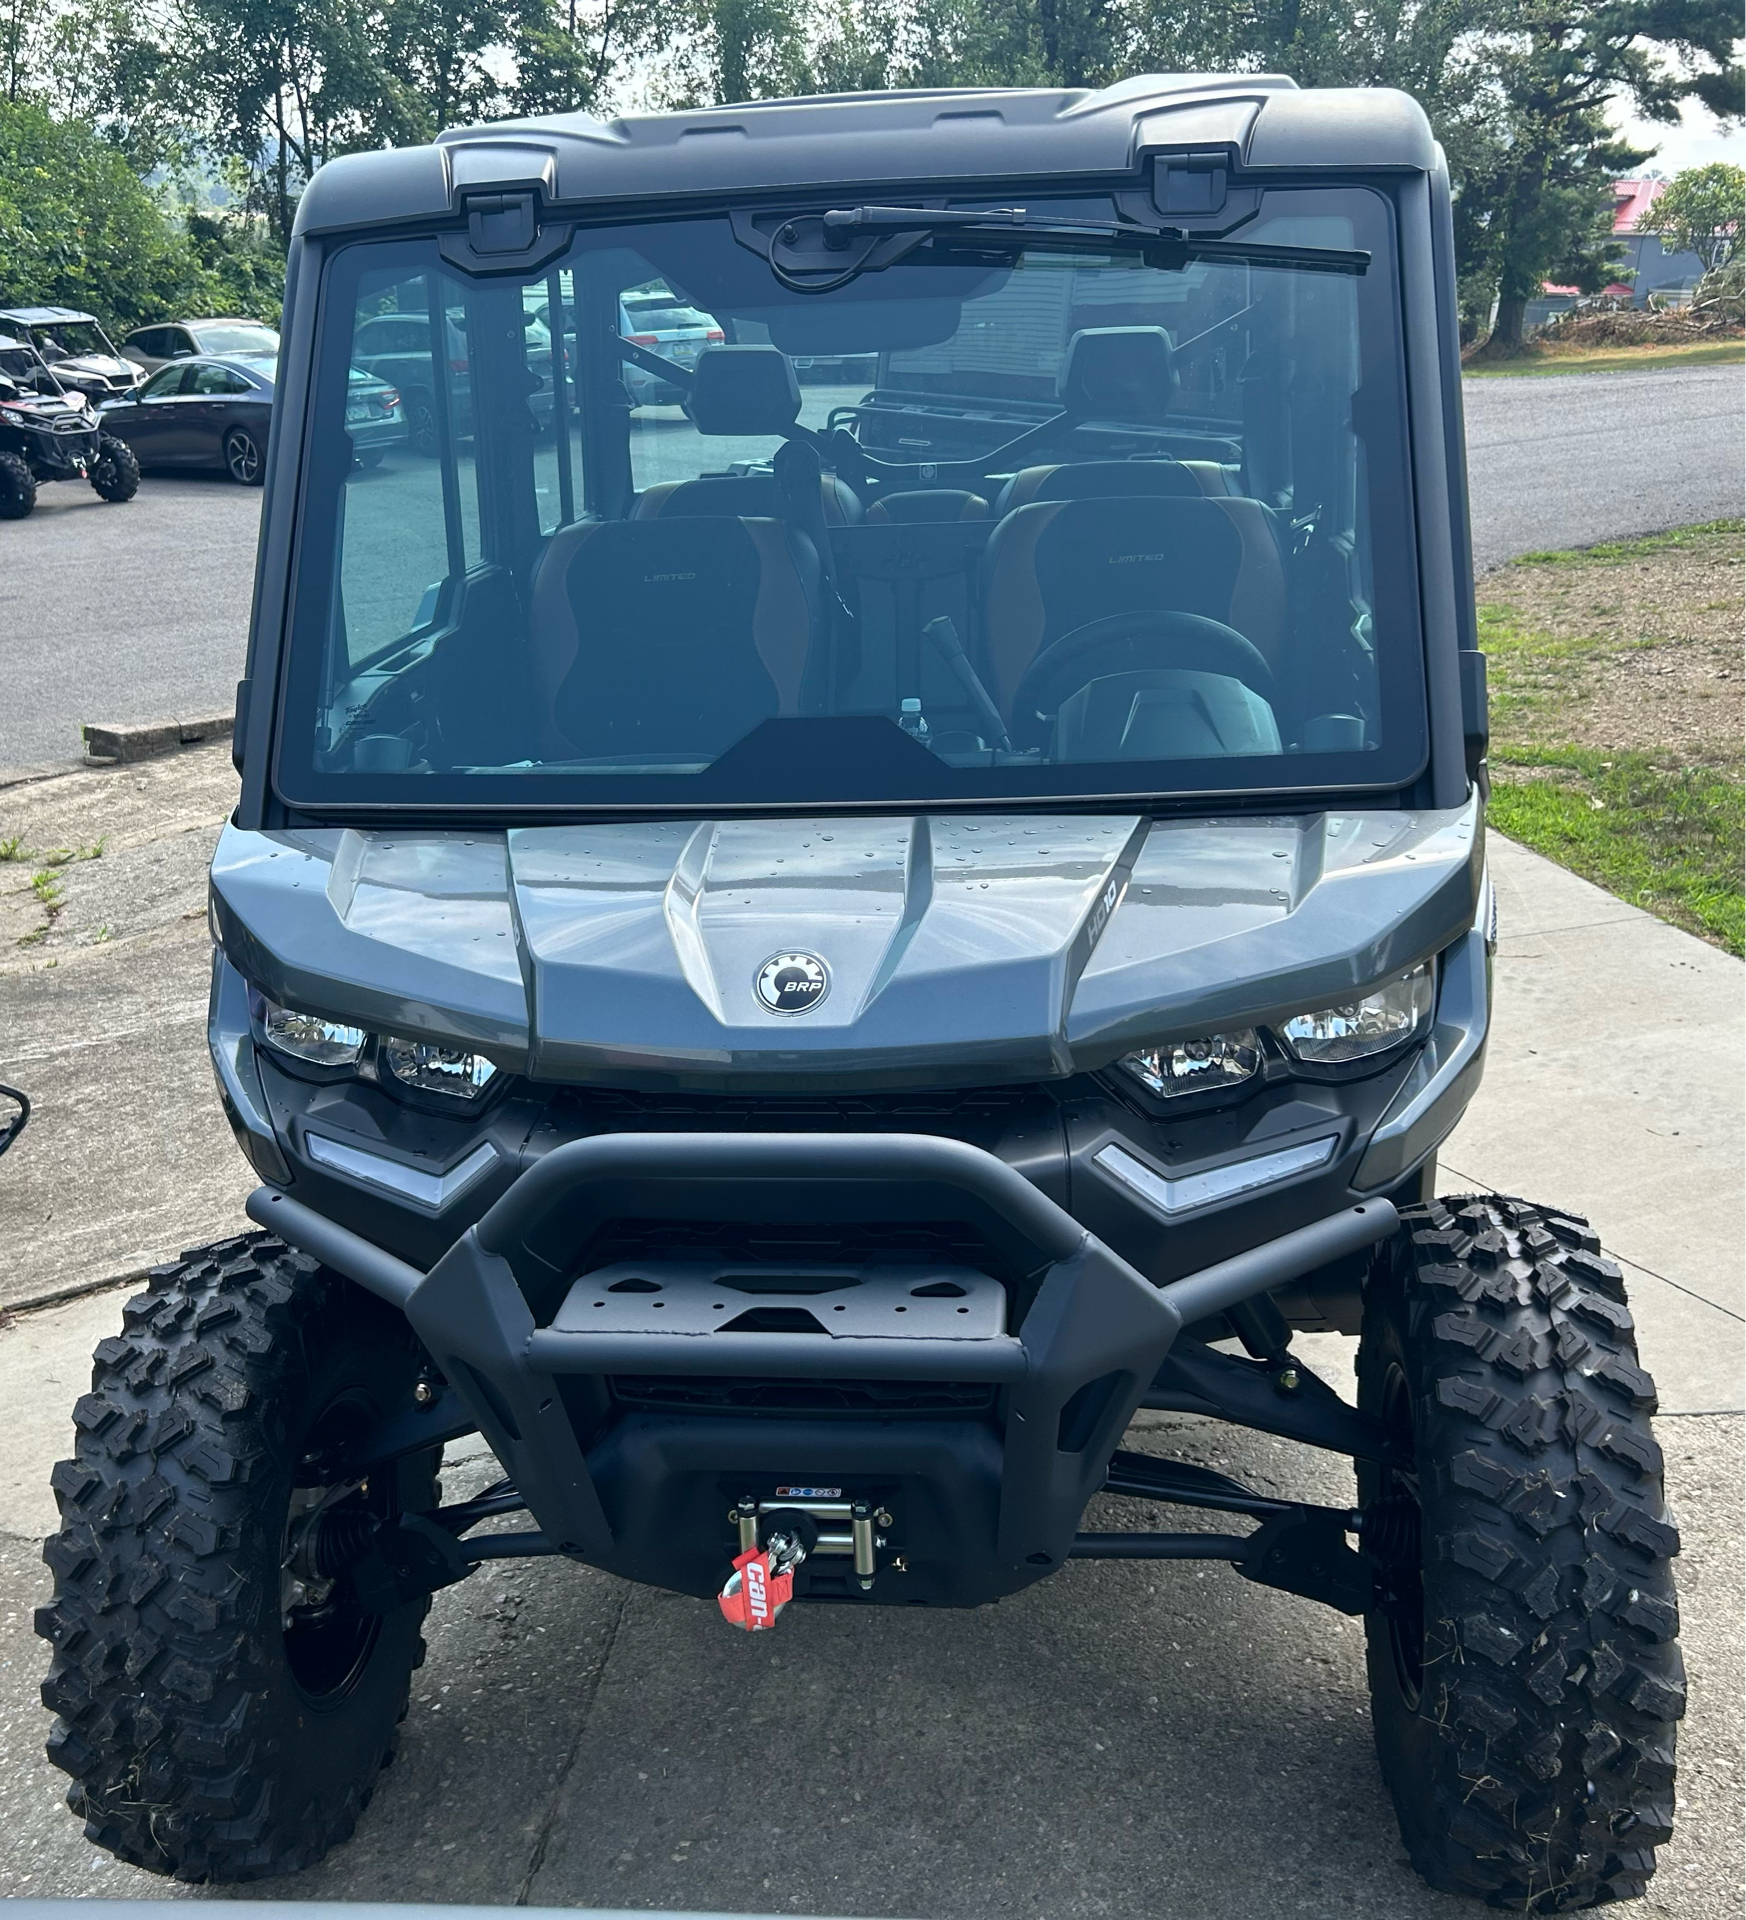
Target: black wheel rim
<point x="1402" y="1583"/>
<point x="422" y="427"/>
<point x="243" y="458"/>
<point x="328" y="1636"/>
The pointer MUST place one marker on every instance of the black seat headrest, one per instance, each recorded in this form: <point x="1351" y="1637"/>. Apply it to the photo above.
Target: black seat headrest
<point x="743" y="390"/>
<point x="1118" y="373"/>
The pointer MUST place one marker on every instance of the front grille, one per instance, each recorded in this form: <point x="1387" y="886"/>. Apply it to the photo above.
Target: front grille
<point x="702" y="1394"/>
<point x="625" y="1111"/>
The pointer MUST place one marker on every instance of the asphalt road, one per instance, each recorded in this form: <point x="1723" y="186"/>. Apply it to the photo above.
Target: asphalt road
<point x="141" y="611"/>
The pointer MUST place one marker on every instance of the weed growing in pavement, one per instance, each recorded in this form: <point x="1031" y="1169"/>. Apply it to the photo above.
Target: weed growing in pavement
<point x="12" y="849"/>
<point x="65" y="856"/>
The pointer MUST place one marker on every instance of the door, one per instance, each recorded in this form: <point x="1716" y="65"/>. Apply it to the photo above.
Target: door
<point x="217" y="401"/>
<point x="151" y="424"/>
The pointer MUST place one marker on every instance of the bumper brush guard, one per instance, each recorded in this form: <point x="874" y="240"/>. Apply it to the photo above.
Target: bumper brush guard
<point x="528" y="1341"/>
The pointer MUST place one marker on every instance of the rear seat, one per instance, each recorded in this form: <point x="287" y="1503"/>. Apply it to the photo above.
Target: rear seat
<point x="741" y="496"/>
<point x="1099" y="480"/>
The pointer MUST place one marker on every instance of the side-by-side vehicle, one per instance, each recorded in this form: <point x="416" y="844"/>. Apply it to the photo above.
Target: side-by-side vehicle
<point x="793" y="952"/>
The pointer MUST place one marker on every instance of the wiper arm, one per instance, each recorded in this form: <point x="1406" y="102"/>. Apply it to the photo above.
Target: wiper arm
<point x="817" y="253"/>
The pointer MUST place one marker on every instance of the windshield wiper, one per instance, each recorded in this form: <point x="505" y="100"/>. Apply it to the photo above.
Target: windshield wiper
<point x="817" y="253"/>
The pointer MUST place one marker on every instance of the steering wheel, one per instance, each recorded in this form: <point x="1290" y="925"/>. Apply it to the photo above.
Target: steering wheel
<point x="1130" y="643"/>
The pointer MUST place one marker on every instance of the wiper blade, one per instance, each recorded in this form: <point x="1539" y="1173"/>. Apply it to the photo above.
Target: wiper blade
<point x="816" y="253"/>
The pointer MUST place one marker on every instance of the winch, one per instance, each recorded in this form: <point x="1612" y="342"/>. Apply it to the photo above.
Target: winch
<point x="778" y="1535"/>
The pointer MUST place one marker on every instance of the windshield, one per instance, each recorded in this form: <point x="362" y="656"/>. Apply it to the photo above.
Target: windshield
<point x="998" y="521"/>
<point x="230" y="336"/>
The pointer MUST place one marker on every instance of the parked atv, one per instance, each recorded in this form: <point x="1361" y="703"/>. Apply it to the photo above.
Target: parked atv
<point x="49" y="433"/>
<point x="849" y="944"/>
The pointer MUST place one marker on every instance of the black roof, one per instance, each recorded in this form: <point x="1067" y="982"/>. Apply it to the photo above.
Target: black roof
<point x="947" y="138"/>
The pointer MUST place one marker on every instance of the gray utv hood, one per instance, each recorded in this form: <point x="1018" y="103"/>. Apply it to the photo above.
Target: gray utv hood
<point x="964" y="949"/>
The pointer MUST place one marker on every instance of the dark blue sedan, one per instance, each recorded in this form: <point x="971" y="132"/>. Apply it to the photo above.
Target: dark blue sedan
<point x="214" y="411"/>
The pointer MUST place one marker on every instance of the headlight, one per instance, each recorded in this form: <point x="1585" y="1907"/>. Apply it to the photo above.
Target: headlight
<point x="430" y="1069"/>
<point x="1355" y="1029"/>
<point x="304" y="1036"/>
<point x="1192" y="1066"/>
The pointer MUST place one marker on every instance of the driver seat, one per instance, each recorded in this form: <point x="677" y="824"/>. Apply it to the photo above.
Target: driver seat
<point x="1057" y="565"/>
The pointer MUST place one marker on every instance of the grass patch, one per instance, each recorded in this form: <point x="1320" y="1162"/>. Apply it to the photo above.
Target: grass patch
<point x="1669" y="839"/>
<point x="1536" y="363"/>
<point x="1615" y="676"/>
<point x="1701" y="538"/>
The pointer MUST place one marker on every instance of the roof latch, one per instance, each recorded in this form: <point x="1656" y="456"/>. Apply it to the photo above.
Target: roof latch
<point x="502" y="222"/>
<point x="1191" y="183"/>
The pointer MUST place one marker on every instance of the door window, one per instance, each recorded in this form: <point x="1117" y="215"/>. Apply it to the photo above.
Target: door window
<point x="219" y="380"/>
<point x="165" y="383"/>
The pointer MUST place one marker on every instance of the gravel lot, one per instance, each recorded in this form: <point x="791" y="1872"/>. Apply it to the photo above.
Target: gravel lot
<point x="135" y="612"/>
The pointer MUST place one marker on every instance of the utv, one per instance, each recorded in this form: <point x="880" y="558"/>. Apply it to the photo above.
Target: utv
<point x="793" y="977"/>
<point x="48" y="433"/>
<point x="83" y="356"/>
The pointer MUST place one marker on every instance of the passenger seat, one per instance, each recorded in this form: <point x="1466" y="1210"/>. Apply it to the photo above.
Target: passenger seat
<point x="671" y="636"/>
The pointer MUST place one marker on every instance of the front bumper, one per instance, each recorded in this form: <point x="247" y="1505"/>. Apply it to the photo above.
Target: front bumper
<point x="1023" y="1370"/>
<point x="62" y="454"/>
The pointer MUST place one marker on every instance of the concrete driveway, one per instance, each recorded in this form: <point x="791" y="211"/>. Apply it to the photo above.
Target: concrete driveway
<point x="141" y="611"/>
<point x="1123" y="1739"/>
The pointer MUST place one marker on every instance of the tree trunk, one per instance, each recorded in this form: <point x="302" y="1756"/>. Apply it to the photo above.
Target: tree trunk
<point x="1506" y="332"/>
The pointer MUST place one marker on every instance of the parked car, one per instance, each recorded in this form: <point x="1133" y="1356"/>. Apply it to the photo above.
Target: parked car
<point x="395" y="348"/>
<point x="203" y="412"/>
<point x="153" y="347"/>
<point x="375" y="417"/>
<point x="216" y="412"/>
<point x="74" y="344"/>
<point x="654" y="318"/>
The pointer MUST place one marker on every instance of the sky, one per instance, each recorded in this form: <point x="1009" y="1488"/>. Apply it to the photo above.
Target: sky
<point x="1695" y="142"/>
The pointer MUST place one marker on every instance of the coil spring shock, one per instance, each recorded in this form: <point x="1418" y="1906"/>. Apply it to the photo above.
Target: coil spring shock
<point x="345" y="1536"/>
<point x="1391" y="1531"/>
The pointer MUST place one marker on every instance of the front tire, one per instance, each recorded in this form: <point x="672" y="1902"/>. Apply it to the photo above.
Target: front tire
<point x="17" y="487"/>
<point x="223" y="1717"/>
<point x="243" y="459"/>
<point x="115" y="472"/>
<point x="1525" y="1682"/>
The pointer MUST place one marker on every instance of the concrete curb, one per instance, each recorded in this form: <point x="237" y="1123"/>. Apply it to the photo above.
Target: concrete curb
<point x="77" y="1290"/>
<point x="118" y="744"/>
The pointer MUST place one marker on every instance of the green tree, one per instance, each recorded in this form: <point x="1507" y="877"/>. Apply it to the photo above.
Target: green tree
<point x="1542" y="198"/>
<point x="78" y="228"/>
<point x="1703" y="211"/>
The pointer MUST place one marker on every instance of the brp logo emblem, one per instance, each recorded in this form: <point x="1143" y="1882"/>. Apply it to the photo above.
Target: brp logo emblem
<point x="792" y="982"/>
